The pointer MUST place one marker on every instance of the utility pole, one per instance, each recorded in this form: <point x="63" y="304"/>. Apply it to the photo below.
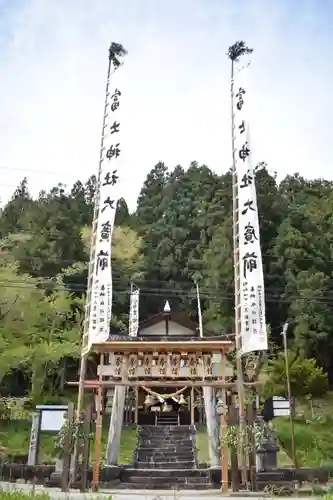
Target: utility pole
<point x="292" y="430"/>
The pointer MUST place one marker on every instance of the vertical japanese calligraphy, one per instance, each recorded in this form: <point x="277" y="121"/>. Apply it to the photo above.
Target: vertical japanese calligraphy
<point x="252" y="296"/>
<point x="134" y="313"/>
<point x="107" y="198"/>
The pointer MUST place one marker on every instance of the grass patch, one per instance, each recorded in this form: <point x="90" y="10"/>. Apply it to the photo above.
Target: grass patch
<point x="15" y="437"/>
<point x="203" y="451"/>
<point x="19" y="495"/>
<point x="202" y="445"/>
<point x="128" y="442"/>
<point x="313" y="440"/>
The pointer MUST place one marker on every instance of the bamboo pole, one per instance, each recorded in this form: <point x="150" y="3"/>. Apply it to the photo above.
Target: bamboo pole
<point x="235" y="214"/>
<point x="223" y="423"/>
<point x="98" y="431"/>
<point x="85" y="338"/>
<point x="136" y="414"/>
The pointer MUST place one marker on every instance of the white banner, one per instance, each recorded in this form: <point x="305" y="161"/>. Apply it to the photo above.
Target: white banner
<point x="108" y="195"/>
<point x="134" y="314"/>
<point x="252" y="293"/>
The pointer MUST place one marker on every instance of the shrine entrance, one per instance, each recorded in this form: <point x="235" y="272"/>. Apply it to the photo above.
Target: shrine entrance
<point x="159" y="382"/>
<point x="165" y="405"/>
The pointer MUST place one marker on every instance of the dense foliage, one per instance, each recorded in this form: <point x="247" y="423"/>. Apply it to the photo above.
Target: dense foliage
<point x="180" y="232"/>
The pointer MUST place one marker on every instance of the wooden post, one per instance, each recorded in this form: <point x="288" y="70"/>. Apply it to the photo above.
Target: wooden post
<point x="67" y="451"/>
<point x="192" y="405"/>
<point x="251" y="440"/>
<point x="98" y="433"/>
<point x="233" y="420"/>
<point x="223" y="423"/>
<point x="82" y="467"/>
<point x="136" y="415"/>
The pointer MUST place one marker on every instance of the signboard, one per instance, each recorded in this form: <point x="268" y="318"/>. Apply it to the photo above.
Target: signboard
<point x="46" y="418"/>
<point x="52" y="417"/>
<point x="52" y="420"/>
<point x="281" y="407"/>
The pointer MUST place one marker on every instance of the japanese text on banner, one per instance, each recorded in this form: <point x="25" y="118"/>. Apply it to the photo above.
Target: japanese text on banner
<point x="252" y="295"/>
<point x="108" y="195"/>
<point x="134" y="314"/>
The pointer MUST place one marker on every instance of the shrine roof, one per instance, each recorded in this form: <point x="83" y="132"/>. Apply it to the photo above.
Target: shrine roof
<point x="179" y="318"/>
<point x="169" y="338"/>
<point x="135" y="344"/>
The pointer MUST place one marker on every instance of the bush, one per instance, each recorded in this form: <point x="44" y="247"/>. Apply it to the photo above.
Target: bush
<point x="19" y="495"/>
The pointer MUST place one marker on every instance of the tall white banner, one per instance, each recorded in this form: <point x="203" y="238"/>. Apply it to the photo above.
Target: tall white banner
<point x="111" y="165"/>
<point x="133" y="326"/>
<point x="252" y="293"/>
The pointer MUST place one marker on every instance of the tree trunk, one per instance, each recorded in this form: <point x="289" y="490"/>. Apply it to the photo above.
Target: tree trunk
<point x="62" y="382"/>
<point x="212" y="426"/>
<point x="37" y="382"/>
<point x="116" y="423"/>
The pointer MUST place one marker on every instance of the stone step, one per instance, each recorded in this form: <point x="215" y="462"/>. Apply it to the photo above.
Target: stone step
<point x="165" y="432"/>
<point x="166" y="439"/>
<point x="165" y="443"/>
<point x="170" y="452"/>
<point x="151" y="485"/>
<point x="164" y="428"/>
<point x="164" y="473"/>
<point x="185" y="457"/>
<point x="170" y="437"/>
<point x="166" y="435"/>
<point x="174" y="482"/>
<point x="166" y="448"/>
<point x="185" y="464"/>
<point x="174" y="429"/>
<point x="173" y="447"/>
<point x="166" y="422"/>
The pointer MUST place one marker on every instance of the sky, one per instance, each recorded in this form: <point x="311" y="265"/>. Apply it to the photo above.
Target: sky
<point x="53" y="63"/>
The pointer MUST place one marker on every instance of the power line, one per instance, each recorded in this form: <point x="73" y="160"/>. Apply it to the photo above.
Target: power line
<point x="208" y="273"/>
<point x="142" y="280"/>
<point x="56" y="236"/>
<point x="31" y="170"/>
<point x="158" y="292"/>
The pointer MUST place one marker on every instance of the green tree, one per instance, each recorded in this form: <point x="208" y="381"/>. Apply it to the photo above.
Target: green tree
<point x="174" y="243"/>
<point x="36" y="332"/>
<point x="306" y="378"/>
<point x="122" y="217"/>
<point x="52" y="236"/>
<point x="12" y="215"/>
<point x="149" y="206"/>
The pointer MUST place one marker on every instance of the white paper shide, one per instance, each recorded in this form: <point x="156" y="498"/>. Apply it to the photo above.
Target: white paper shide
<point x="108" y="195"/>
<point x="134" y="313"/>
<point x="252" y="294"/>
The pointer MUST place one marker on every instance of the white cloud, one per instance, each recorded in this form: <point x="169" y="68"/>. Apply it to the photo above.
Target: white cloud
<point x="52" y="70"/>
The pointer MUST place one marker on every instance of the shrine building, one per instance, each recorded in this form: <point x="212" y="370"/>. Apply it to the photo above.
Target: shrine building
<point x="168" y="349"/>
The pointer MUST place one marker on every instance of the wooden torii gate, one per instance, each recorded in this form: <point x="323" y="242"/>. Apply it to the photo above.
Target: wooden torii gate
<point x="180" y="363"/>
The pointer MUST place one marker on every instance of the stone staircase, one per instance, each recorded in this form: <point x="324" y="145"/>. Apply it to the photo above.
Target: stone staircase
<point x="166" y="459"/>
<point x="170" y="419"/>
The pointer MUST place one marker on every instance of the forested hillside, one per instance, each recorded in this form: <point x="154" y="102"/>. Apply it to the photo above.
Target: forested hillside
<point x="180" y="232"/>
